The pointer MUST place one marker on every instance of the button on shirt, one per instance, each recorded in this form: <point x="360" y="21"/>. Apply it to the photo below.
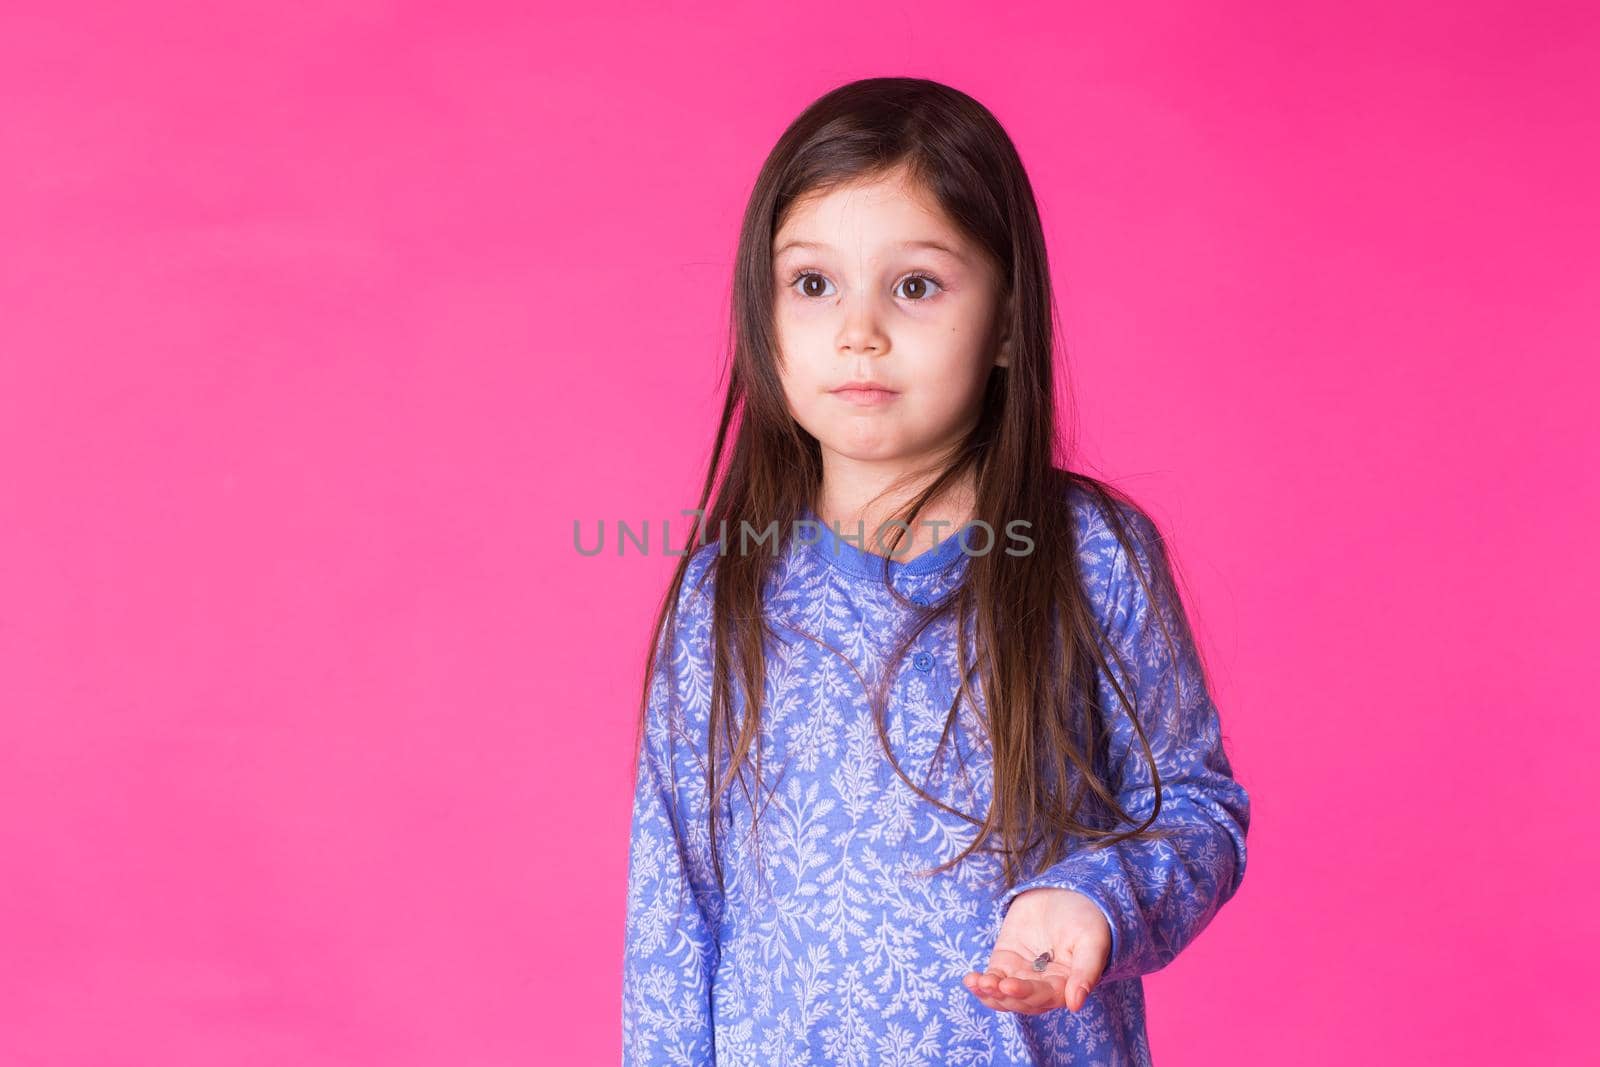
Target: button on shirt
<point x="830" y="949"/>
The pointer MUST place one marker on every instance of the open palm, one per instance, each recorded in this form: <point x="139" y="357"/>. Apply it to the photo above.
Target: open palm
<point x="1063" y="922"/>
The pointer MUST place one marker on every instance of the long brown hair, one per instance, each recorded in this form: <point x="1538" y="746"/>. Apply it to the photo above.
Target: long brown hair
<point x="1045" y="728"/>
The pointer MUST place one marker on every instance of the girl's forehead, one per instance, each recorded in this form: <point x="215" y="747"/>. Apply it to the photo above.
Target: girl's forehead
<point x="887" y="194"/>
<point x="880" y="215"/>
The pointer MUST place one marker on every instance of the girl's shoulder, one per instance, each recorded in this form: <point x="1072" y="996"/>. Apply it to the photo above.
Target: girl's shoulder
<point x="695" y="594"/>
<point x="1114" y="536"/>
<point x="1100" y="513"/>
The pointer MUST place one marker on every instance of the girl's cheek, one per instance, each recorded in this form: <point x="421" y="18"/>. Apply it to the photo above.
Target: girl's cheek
<point x="802" y="311"/>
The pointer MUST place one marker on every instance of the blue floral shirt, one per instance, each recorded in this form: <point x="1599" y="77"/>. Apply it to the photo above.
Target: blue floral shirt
<point x="832" y="949"/>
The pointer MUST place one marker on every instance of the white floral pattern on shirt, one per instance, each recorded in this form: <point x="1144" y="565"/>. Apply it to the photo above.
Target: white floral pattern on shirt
<point x="833" y="950"/>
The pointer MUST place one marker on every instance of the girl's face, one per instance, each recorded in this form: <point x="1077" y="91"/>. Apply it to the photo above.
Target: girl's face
<point x="875" y="285"/>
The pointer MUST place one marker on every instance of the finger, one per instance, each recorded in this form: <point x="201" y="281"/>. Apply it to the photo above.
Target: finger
<point x="1021" y="988"/>
<point x="1082" y="975"/>
<point x="990" y="1002"/>
<point x="996" y="1003"/>
<point x="1009" y="991"/>
<point x="975" y="982"/>
<point x="1010" y="961"/>
<point x="974" y="986"/>
<point x="1021" y="979"/>
<point x="1043" y="994"/>
<point x="987" y="988"/>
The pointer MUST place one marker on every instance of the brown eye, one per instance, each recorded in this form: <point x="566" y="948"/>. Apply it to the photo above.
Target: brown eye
<point x="811" y="284"/>
<point x="917" y="287"/>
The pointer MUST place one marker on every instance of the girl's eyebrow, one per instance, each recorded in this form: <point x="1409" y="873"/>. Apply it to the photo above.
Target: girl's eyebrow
<point x="931" y="246"/>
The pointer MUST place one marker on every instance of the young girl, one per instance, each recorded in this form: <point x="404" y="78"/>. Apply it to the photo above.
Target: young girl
<point x="984" y="788"/>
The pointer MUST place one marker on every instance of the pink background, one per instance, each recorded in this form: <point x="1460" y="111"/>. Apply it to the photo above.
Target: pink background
<point x="320" y="324"/>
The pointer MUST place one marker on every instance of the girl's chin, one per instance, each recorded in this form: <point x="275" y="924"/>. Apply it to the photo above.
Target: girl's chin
<point x="863" y="448"/>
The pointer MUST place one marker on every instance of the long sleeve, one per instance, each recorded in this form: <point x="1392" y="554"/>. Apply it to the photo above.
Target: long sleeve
<point x="674" y="911"/>
<point x="1157" y="895"/>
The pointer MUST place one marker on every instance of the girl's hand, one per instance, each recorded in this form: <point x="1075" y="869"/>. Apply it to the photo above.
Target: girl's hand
<point x="1065" y="923"/>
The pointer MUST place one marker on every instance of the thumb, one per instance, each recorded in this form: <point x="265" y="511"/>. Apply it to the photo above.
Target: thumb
<point x="1081" y="977"/>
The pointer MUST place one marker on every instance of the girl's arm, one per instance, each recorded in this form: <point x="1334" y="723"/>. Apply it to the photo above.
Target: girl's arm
<point x="671" y="949"/>
<point x="1158" y="895"/>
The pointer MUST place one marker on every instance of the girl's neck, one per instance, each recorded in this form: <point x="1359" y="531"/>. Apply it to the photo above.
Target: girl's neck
<point x="868" y="499"/>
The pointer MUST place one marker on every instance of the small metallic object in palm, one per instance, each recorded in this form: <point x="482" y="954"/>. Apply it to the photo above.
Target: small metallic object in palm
<point x="1040" y="960"/>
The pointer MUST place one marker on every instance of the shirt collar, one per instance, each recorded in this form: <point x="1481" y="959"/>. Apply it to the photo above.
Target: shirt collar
<point x="844" y="554"/>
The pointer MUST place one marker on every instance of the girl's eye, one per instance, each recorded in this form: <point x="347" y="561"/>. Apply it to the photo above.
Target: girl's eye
<point x="917" y="286"/>
<point x="810" y="277"/>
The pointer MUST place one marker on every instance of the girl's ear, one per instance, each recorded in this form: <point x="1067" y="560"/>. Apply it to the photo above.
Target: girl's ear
<point x="1002" y="354"/>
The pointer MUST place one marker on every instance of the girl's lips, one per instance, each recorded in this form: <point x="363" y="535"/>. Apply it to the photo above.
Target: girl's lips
<point x="865" y="397"/>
